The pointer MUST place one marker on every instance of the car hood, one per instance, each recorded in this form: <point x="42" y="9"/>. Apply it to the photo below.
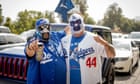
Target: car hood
<point x="122" y="53"/>
<point x="19" y="50"/>
<point x="136" y="39"/>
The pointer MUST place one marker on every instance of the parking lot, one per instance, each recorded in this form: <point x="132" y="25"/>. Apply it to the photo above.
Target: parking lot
<point x="124" y="78"/>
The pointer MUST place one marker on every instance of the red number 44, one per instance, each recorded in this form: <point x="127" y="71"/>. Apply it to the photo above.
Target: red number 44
<point x="91" y="62"/>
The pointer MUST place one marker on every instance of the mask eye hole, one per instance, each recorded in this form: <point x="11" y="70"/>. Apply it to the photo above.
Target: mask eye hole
<point x="78" y="21"/>
<point x="72" y="23"/>
<point x="44" y="26"/>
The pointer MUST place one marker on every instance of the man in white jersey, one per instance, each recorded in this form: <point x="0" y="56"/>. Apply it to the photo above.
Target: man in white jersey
<point x="84" y="50"/>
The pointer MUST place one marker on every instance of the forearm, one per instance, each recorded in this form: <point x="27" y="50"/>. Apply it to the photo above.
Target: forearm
<point x="109" y="50"/>
<point x="108" y="47"/>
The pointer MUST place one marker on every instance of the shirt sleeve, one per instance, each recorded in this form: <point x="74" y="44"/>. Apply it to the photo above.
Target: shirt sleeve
<point x="60" y="34"/>
<point x="101" y="50"/>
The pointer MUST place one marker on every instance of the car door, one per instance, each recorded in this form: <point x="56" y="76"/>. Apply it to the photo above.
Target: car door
<point x="135" y="52"/>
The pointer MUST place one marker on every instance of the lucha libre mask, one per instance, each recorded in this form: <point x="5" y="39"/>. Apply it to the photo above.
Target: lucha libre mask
<point x="76" y="23"/>
<point x="42" y="29"/>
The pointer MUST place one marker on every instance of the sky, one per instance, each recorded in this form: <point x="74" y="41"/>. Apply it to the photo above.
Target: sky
<point x="96" y="8"/>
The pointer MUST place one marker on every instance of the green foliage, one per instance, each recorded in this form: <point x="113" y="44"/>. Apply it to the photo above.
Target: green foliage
<point x="1" y="17"/>
<point x="26" y="20"/>
<point x="113" y="18"/>
<point x="83" y="9"/>
<point x="88" y="20"/>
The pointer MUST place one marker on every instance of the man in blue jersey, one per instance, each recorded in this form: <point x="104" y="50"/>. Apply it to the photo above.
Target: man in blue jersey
<point x="84" y="50"/>
<point x="45" y="55"/>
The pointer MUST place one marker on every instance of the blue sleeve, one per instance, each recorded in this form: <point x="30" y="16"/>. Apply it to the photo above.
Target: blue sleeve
<point x="60" y="34"/>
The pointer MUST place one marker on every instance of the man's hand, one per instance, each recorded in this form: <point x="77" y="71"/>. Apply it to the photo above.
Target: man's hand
<point x="67" y="30"/>
<point x="31" y="48"/>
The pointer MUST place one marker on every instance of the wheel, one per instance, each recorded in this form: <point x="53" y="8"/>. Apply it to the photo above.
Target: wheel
<point x="111" y="75"/>
<point x="130" y="70"/>
<point x="137" y="64"/>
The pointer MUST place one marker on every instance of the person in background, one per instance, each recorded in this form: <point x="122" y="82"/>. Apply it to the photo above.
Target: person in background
<point x="84" y="51"/>
<point x="45" y="55"/>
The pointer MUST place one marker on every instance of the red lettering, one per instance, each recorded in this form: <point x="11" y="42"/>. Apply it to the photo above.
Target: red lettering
<point x="91" y="62"/>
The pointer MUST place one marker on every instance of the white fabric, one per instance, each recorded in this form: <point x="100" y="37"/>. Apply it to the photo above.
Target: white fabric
<point x="89" y="74"/>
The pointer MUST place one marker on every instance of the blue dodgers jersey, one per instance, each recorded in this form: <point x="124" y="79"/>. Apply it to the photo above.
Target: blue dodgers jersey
<point x="53" y="65"/>
<point x="33" y="73"/>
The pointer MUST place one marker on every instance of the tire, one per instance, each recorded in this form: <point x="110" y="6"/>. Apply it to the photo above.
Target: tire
<point x="137" y="64"/>
<point x="130" y="70"/>
<point x="111" y="75"/>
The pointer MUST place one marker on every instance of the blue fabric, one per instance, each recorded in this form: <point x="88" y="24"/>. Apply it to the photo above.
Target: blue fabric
<point x="75" y="74"/>
<point x="52" y="68"/>
<point x="63" y="7"/>
<point x="53" y="72"/>
<point x="33" y="74"/>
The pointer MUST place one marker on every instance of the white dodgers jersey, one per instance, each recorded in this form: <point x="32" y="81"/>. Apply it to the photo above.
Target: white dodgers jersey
<point x="88" y="54"/>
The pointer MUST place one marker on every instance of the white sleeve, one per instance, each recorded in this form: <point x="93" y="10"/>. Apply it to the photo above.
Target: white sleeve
<point x="101" y="50"/>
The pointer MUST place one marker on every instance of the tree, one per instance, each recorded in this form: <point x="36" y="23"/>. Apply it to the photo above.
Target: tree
<point x="88" y="20"/>
<point x="114" y="19"/>
<point x="50" y="16"/>
<point x="113" y="16"/>
<point x="83" y="9"/>
<point x="1" y="17"/>
<point x="26" y="20"/>
<point x="8" y="23"/>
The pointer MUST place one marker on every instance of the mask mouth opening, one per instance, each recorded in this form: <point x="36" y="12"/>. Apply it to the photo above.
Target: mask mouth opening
<point x="45" y="36"/>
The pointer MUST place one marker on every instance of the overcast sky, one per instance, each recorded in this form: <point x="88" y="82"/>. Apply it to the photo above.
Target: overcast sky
<point x="96" y="9"/>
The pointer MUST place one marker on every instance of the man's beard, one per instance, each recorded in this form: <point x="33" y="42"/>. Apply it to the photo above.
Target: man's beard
<point x="45" y="36"/>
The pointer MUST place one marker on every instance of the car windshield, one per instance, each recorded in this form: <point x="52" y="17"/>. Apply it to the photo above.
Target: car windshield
<point x="121" y="45"/>
<point x="57" y="27"/>
<point x="135" y="35"/>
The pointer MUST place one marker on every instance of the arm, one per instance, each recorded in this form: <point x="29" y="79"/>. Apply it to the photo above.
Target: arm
<point x="61" y="34"/>
<point x="108" y="47"/>
<point x="67" y="30"/>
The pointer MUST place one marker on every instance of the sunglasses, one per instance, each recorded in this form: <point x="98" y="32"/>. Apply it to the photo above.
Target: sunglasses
<point x="42" y="27"/>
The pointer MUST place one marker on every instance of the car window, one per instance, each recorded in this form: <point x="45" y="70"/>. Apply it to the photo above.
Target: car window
<point x="121" y="45"/>
<point x="135" y="35"/>
<point x="4" y="29"/>
<point x="57" y="27"/>
<point x="105" y="34"/>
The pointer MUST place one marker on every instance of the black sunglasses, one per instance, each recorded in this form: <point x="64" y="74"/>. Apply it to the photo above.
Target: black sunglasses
<point x="47" y="26"/>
